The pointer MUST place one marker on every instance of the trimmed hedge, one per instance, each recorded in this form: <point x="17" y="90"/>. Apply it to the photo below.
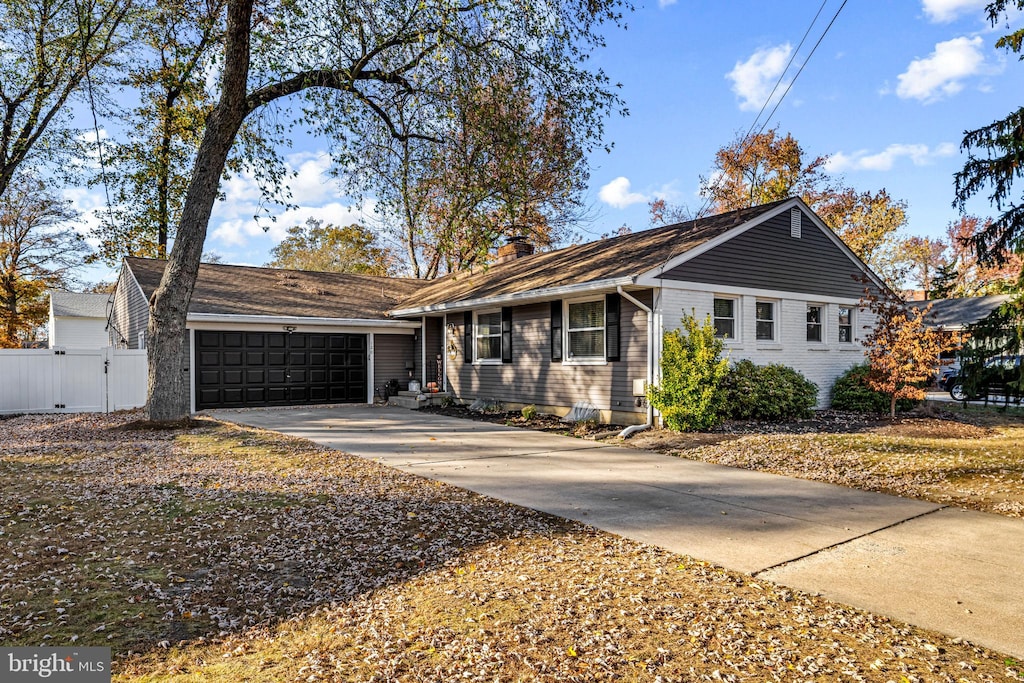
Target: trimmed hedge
<point x="851" y="392"/>
<point x="767" y="392"/>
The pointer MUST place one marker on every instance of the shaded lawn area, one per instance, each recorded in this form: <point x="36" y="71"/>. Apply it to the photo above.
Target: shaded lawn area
<point x="972" y="459"/>
<point x="219" y="553"/>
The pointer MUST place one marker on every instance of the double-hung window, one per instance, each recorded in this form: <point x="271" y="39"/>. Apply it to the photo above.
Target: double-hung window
<point x="814" y="323"/>
<point x="764" y="316"/>
<point x="488" y="336"/>
<point x="585" y="330"/>
<point x="725" y="318"/>
<point x="845" y="324"/>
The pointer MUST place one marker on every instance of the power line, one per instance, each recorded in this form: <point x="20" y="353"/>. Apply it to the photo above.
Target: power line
<point x="800" y="70"/>
<point x="747" y="138"/>
<point x="782" y="75"/>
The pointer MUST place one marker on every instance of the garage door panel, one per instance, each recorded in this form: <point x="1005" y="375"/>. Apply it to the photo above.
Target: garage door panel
<point x="237" y="369"/>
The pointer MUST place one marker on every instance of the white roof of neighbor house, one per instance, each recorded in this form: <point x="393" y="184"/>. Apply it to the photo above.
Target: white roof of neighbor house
<point x="75" y="305"/>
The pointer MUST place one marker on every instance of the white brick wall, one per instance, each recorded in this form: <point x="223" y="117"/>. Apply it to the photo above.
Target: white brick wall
<point x="821" y="363"/>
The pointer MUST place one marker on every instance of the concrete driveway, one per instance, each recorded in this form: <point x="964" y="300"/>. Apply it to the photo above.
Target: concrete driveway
<point x="947" y="569"/>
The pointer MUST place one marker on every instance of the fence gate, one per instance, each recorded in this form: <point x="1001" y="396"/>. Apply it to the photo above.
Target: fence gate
<point x="71" y="380"/>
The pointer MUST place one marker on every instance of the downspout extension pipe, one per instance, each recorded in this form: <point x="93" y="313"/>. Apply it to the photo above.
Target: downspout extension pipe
<point x="633" y="429"/>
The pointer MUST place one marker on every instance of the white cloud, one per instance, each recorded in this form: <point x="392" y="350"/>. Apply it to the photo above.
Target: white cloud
<point x="942" y="73"/>
<point x="753" y="79"/>
<point x="945" y="11"/>
<point x="617" y="194"/>
<point x="919" y="155"/>
<point x="239" y="231"/>
<point x="665" y="3"/>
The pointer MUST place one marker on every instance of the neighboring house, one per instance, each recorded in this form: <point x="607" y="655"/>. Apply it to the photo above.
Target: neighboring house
<point x="953" y="315"/>
<point x="584" y="323"/>
<point x="78" y="321"/>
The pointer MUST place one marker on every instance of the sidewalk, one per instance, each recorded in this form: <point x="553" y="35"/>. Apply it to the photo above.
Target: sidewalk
<point x="951" y="570"/>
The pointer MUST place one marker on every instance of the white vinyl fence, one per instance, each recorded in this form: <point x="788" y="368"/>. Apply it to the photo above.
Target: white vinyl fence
<point x="63" y="380"/>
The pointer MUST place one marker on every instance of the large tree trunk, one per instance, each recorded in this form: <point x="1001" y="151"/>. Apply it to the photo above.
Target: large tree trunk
<point x="167" y="340"/>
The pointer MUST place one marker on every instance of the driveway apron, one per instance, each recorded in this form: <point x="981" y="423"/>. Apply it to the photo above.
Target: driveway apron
<point x="951" y="570"/>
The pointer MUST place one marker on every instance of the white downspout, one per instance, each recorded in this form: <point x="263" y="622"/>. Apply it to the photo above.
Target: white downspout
<point x="633" y="429"/>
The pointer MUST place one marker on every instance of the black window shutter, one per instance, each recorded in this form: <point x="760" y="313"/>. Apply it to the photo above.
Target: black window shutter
<point x="556" y="331"/>
<point x="612" y="309"/>
<point x="467" y="340"/>
<point x="506" y="335"/>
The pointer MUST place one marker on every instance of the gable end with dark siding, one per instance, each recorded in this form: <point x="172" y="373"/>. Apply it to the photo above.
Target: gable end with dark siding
<point x="768" y="256"/>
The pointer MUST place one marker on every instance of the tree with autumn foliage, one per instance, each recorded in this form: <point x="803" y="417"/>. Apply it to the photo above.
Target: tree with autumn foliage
<point x="508" y="167"/>
<point x="966" y="274"/>
<point x="39" y="250"/>
<point x="766" y="167"/>
<point x="925" y="257"/>
<point x="364" y="71"/>
<point x="763" y="168"/>
<point x="903" y="351"/>
<point x="322" y="247"/>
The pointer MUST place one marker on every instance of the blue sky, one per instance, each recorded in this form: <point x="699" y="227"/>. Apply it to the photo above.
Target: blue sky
<point x="887" y="95"/>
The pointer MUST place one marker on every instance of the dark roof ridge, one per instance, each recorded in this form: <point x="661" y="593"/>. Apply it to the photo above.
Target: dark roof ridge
<point x="288" y="270"/>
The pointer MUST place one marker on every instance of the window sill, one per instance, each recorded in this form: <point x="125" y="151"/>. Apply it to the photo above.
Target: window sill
<point x="585" y="361"/>
<point x="487" y="361"/>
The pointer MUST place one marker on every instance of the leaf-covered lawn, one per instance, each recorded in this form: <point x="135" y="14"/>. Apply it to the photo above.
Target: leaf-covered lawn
<point x="977" y="464"/>
<point x="225" y="554"/>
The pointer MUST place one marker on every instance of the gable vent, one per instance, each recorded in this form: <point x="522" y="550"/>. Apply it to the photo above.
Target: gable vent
<point x="795" y="216"/>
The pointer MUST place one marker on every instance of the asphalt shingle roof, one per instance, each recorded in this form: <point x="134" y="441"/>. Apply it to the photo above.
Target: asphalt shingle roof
<point x="75" y="305"/>
<point x="605" y="259"/>
<point x="956" y="313"/>
<point x="244" y="290"/>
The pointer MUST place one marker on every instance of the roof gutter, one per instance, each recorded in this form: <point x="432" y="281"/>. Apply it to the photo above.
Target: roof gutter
<point x="517" y="297"/>
<point x="633" y="429"/>
<point x="299" y="320"/>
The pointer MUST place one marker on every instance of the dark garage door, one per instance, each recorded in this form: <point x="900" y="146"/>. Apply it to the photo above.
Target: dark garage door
<point x="243" y="369"/>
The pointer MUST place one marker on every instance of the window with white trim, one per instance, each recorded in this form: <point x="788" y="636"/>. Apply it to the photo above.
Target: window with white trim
<point x="815" y="320"/>
<point x="845" y="324"/>
<point x="585" y="330"/>
<point x="724" y="318"/>
<point x="764" y="317"/>
<point x="487" y="334"/>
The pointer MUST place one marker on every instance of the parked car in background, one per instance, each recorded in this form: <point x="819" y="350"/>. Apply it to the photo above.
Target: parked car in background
<point x="995" y="376"/>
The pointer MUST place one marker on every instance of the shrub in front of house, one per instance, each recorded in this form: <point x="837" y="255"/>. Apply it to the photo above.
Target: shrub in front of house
<point x="852" y="392"/>
<point x="689" y="396"/>
<point x="767" y="392"/>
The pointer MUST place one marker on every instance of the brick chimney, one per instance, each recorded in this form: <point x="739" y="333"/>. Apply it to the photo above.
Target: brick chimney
<point x="514" y="248"/>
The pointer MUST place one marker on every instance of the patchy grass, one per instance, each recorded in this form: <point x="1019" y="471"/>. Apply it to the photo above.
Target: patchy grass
<point x="972" y="459"/>
<point x="215" y="553"/>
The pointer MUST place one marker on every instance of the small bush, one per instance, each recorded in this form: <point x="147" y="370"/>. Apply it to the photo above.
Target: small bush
<point x="767" y="392"/>
<point x="691" y="371"/>
<point x="529" y="412"/>
<point x="851" y="392"/>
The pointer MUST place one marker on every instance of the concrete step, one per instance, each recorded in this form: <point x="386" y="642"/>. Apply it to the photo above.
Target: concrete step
<point x="412" y="400"/>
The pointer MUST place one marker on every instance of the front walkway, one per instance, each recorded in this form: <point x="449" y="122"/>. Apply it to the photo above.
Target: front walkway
<point x="947" y="569"/>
